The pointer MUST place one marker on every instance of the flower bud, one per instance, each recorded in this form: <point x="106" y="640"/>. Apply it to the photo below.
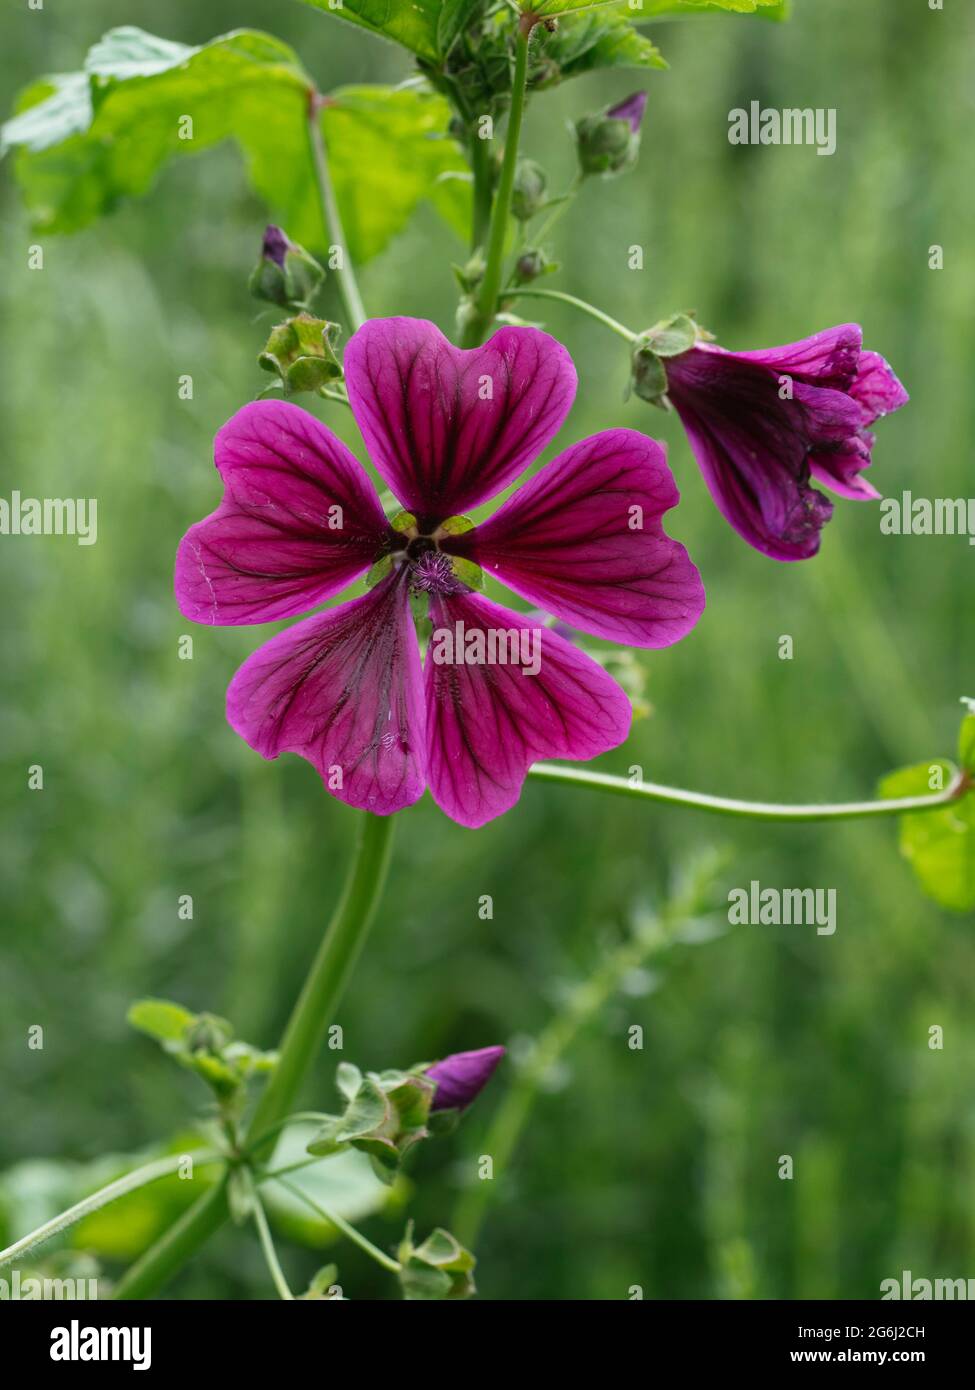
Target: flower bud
<point x="286" y="274"/>
<point x="462" y="1076"/>
<point x="528" y="196"/>
<point x="530" y="265"/>
<point x="608" y="141"/>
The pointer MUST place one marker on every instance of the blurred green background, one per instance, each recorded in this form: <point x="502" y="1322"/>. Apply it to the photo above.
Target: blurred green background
<point x="656" y="1167"/>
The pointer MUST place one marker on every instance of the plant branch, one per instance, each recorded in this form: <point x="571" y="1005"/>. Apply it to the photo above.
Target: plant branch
<point x="331" y="219"/>
<point x="267" y="1245"/>
<point x="753" y="810"/>
<point x="139" y="1177"/>
<point x="613" y="324"/>
<point x="313" y="1012"/>
<point x="341" y="1224"/>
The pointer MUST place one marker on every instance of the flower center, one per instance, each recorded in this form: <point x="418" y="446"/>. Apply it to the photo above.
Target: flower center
<point x="414" y="544"/>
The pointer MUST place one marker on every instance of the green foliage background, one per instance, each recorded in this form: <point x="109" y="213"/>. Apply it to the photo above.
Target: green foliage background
<point x="658" y="1167"/>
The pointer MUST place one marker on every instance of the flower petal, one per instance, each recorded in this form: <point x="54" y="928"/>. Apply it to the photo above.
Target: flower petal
<point x="487" y="723"/>
<point x="826" y="359"/>
<point x="840" y="468"/>
<point x="448" y="428"/>
<point x="299" y="520"/>
<point x="344" y="690"/>
<point x="583" y="539"/>
<point x="876" y="388"/>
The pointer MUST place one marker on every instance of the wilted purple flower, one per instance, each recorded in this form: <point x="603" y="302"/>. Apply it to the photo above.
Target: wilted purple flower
<point x="446" y="429"/>
<point x="764" y="424"/>
<point x="462" y="1076"/>
<point x="630" y="110"/>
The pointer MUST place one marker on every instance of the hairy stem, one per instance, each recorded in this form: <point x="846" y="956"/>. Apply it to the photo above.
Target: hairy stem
<point x="753" y="810"/>
<point x="267" y="1245"/>
<point x="139" y="1177"/>
<point x="331" y="220"/>
<point x="313" y="1012"/>
<point x="487" y="295"/>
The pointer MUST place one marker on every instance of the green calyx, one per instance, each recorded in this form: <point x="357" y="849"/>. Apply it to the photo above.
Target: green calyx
<point x="439" y="1268"/>
<point x="385" y="1114"/>
<point x="299" y="351"/>
<point x="671" y="337"/>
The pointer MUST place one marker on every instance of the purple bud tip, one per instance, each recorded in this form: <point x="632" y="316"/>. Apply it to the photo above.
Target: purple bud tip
<point x="275" y="245"/>
<point x="630" y="110"/>
<point x="462" y="1076"/>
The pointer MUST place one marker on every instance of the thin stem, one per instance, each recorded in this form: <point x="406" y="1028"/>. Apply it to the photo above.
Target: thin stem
<point x="267" y="1245"/>
<point x="139" y="1177"/>
<point x="298" y="1117"/>
<point x="613" y="324"/>
<point x="341" y="1224"/>
<point x="487" y="297"/>
<point x="313" y="1012"/>
<point x="561" y="207"/>
<point x="753" y="810"/>
<point x="331" y="219"/>
<point x="329" y="394"/>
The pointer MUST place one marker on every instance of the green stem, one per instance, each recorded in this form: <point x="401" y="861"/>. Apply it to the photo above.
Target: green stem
<point x="312" y="1014"/>
<point x="483" y="189"/>
<point x="753" y="810"/>
<point x="613" y="324"/>
<point x="139" y="1177"/>
<point x="331" y="219"/>
<point x="537" y="237"/>
<point x="342" y="1225"/>
<point x="487" y="296"/>
<point x="267" y="1245"/>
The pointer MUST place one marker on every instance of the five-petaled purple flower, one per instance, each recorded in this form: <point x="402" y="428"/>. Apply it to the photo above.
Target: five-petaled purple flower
<point x="445" y="429"/>
<point x="764" y="424"/>
<point x="462" y="1076"/>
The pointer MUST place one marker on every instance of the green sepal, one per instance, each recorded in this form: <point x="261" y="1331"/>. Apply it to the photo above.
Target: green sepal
<point x="648" y="375"/>
<point x="672" y="336"/>
<point x="440" y="1268"/>
<point x="300" y="352"/>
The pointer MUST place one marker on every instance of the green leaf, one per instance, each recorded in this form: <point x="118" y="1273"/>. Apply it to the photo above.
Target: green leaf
<point x="160" y="1019"/>
<point x="596" y="39"/>
<point x="412" y="23"/>
<point x="939" y="845"/>
<point x="454" y="17"/>
<point x="87" y="141"/>
<point x="348" y="1078"/>
<point x="649" y="9"/>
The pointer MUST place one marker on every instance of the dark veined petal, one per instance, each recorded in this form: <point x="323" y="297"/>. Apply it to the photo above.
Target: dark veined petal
<point x="344" y="690"/>
<point x="448" y="428"/>
<point x="487" y="723"/>
<point x="299" y="520"/>
<point x="841" y="468"/>
<point x="828" y="358"/>
<point x="584" y="540"/>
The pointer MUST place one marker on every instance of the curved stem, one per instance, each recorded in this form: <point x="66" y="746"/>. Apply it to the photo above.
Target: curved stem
<point x="139" y="1177"/>
<point x="312" y="1014"/>
<point x="331" y="220"/>
<point x="753" y="810"/>
<point x="267" y="1245"/>
<point x="613" y="324"/>
<point x="537" y="237"/>
<point x="487" y="295"/>
<point x="342" y="1225"/>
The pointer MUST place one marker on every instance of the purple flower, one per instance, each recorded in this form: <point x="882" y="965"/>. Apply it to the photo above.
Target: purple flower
<point x="630" y="110"/>
<point x="445" y="429"/>
<point x="763" y="425"/>
<point x="462" y="1076"/>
